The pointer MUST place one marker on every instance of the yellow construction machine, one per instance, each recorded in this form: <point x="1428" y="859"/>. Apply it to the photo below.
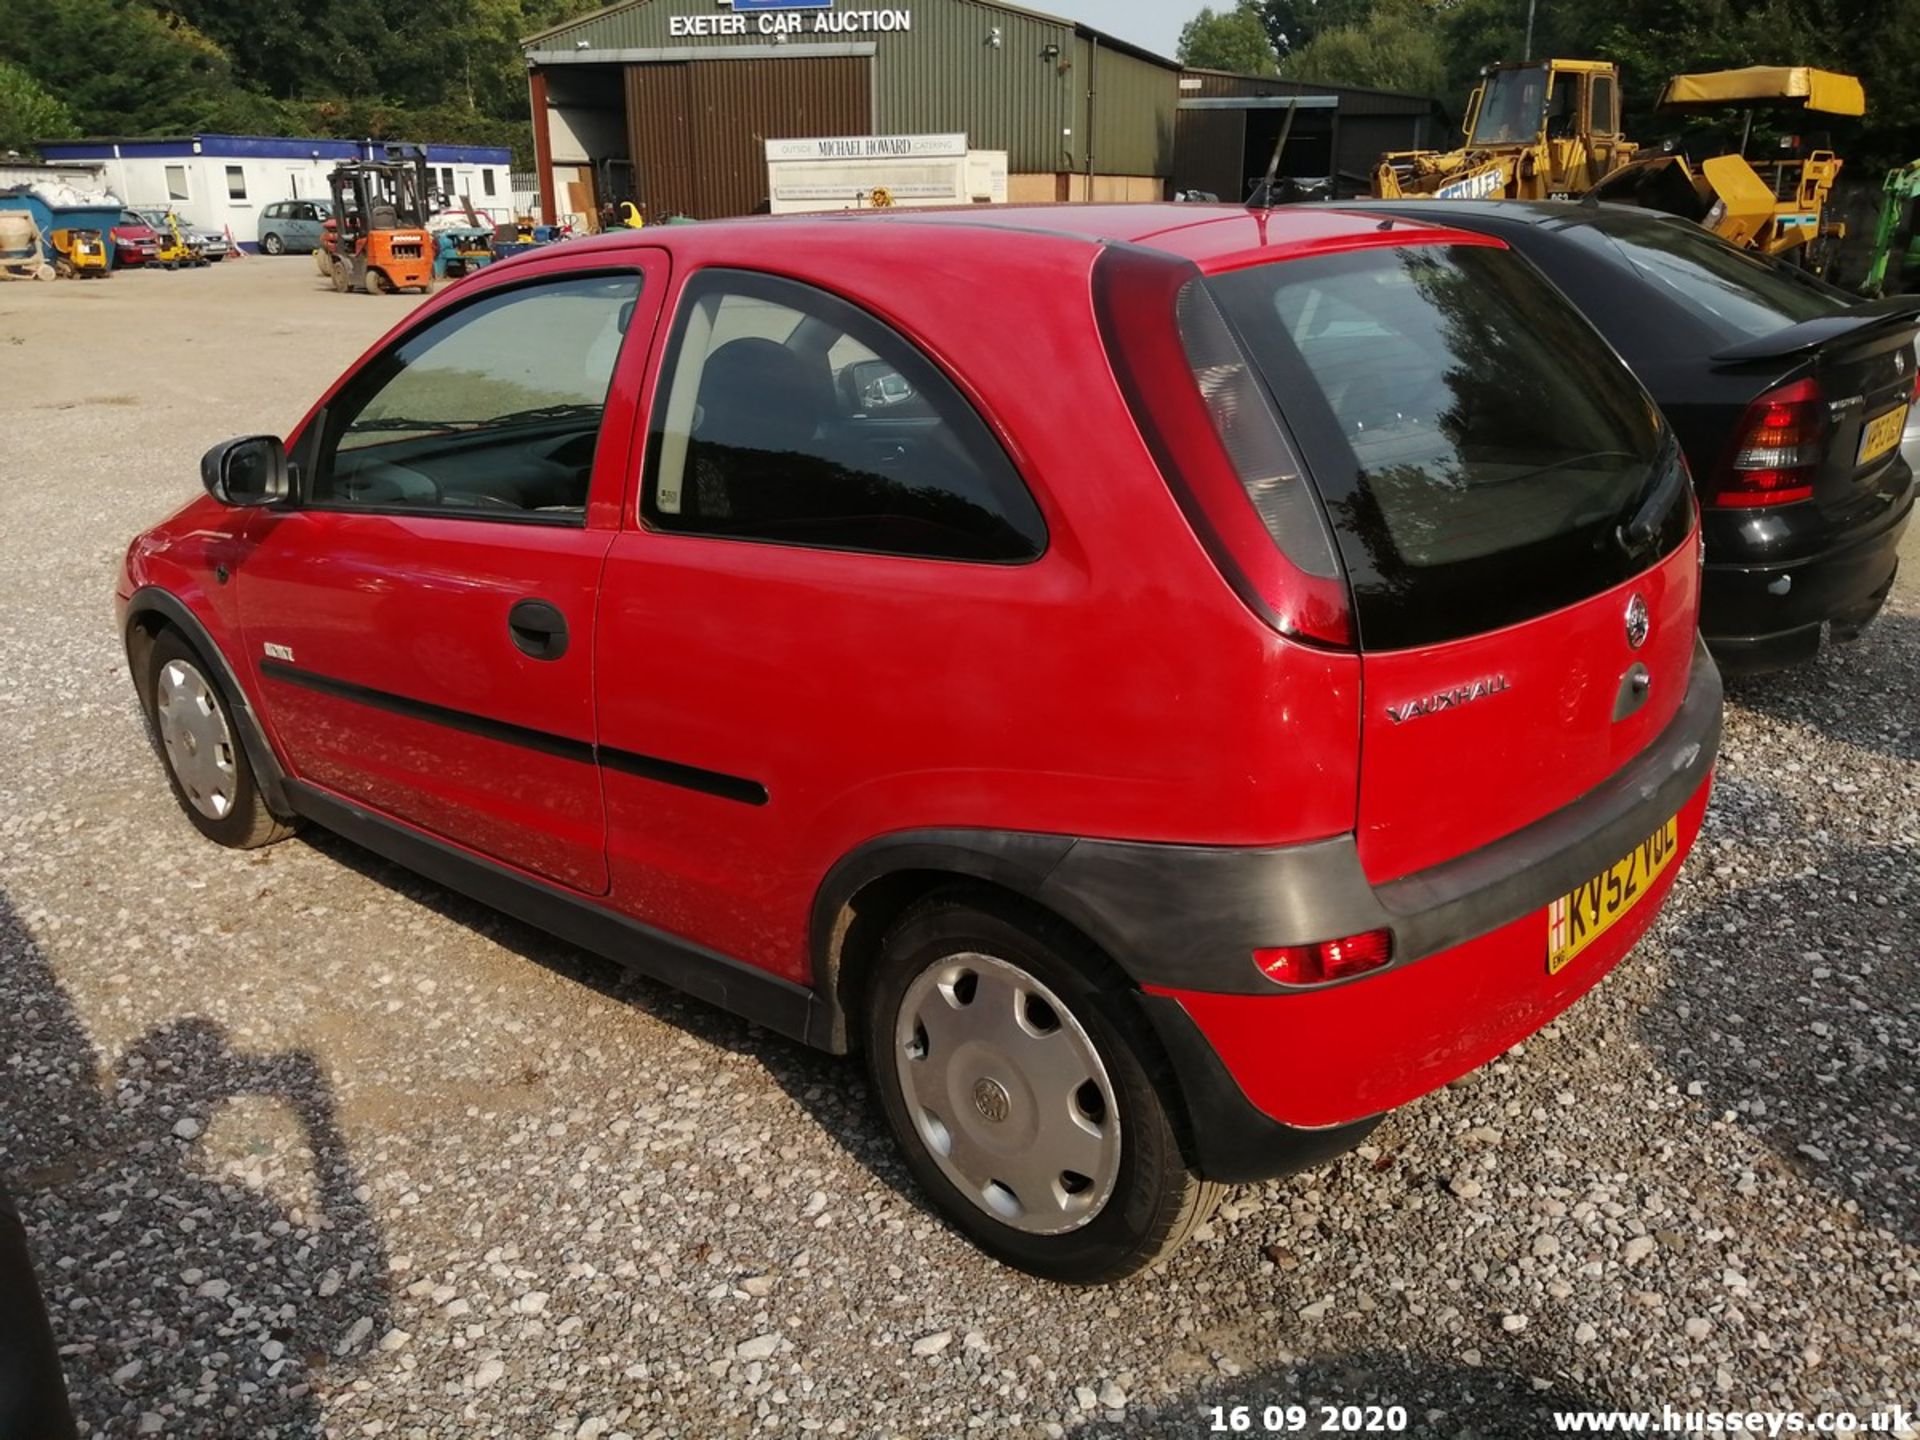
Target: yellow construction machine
<point x="1777" y="206"/>
<point x="1535" y="130"/>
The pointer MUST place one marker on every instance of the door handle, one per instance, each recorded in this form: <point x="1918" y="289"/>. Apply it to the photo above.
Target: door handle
<point x="538" y="629"/>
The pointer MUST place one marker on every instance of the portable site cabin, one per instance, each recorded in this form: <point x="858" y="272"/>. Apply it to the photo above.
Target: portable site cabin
<point x="223" y="182"/>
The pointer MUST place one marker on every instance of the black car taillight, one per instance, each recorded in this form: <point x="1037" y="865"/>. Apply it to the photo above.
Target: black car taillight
<point x="1220" y="443"/>
<point x="1777" y="450"/>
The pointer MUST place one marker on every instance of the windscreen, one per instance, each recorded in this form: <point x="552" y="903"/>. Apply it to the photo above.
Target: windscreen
<point x="1513" y="107"/>
<point x="1736" y="295"/>
<point x="1477" y="445"/>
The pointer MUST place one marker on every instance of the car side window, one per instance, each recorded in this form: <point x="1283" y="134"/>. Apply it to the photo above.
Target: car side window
<point x="489" y="412"/>
<point x="787" y="415"/>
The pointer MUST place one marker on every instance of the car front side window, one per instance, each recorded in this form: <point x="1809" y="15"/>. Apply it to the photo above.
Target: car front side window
<point x="490" y="412"/>
<point x="788" y="416"/>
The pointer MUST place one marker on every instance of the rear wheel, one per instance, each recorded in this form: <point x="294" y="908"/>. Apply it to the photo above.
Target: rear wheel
<point x="200" y="745"/>
<point x="1028" y="1101"/>
<point x="273" y="244"/>
<point x="376" y="282"/>
<point x="342" y="276"/>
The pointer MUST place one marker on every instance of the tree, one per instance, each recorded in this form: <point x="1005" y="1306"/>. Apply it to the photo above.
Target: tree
<point x="28" y="112"/>
<point x="1233" y="40"/>
<point x="1292" y="24"/>
<point x="1397" y="46"/>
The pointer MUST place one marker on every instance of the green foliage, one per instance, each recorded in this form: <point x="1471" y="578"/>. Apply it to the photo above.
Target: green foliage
<point x="28" y="112"/>
<point x="399" y="69"/>
<point x="1393" y="47"/>
<point x="1233" y="40"/>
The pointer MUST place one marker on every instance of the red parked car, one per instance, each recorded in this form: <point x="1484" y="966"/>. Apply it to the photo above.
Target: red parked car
<point x="1167" y="684"/>
<point x="134" y="241"/>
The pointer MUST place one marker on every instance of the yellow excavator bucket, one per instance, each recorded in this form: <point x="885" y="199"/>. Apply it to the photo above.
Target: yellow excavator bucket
<point x="1748" y="201"/>
<point x="1798" y="87"/>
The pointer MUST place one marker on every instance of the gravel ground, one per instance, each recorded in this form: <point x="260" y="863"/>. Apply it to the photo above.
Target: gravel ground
<point x="307" y="1146"/>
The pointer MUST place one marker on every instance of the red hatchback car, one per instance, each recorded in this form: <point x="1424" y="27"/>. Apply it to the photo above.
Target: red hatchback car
<point x="1167" y="684"/>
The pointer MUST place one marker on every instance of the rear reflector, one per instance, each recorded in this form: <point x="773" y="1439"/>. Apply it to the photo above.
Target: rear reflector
<point x="1220" y="444"/>
<point x="1327" y="960"/>
<point x="1778" y="449"/>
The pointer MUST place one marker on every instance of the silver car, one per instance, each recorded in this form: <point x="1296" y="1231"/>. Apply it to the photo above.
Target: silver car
<point x="293" y="227"/>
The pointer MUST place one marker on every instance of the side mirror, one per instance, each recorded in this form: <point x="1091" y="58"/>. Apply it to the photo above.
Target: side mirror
<point x="249" y="471"/>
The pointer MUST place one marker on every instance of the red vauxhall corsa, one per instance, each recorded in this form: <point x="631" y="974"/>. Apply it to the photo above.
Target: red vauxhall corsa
<point x="1168" y="685"/>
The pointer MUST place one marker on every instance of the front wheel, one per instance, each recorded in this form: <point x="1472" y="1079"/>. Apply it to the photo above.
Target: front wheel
<point x="273" y="244"/>
<point x="200" y="746"/>
<point x="1028" y="1099"/>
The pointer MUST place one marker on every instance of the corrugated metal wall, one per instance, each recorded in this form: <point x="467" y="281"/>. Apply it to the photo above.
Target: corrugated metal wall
<point x="948" y="77"/>
<point x="1134" y="104"/>
<point x="698" y="128"/>
<point x="1212" y="152"/>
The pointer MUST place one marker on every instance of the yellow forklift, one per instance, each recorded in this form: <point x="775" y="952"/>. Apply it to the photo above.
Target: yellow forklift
<point x="1776" y="205"/>
<point x="1534" y="130"/>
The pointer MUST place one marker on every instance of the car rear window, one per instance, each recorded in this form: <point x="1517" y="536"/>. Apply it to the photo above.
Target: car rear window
<point x="1736" y="295"/>
<point x="1477" y="445"/>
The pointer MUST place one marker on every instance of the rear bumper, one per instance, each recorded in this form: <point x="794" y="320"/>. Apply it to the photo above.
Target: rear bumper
<point x="1276" y="1079"/>
<point x="1755" y="616"/>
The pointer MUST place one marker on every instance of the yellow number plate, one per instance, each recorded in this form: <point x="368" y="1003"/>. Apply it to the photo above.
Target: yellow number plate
<point x="1575" y="921"/>
<point x="1881" y="434"/>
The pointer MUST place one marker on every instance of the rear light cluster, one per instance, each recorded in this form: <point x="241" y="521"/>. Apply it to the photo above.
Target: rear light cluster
<point x="1328" y="960"/>
<point x="1778" y="449"/>
<point x="1219" y="442"/>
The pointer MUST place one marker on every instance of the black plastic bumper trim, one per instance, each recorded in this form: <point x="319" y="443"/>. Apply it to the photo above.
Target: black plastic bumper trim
<point x="1233" y="1140"/>
<point x="1188" y="917"/>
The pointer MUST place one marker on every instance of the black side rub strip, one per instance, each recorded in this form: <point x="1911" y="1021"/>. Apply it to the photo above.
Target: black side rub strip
<point x="647" y="767"/>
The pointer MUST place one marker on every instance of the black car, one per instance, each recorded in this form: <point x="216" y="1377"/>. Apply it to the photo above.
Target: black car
<point x="1788" y="395"/>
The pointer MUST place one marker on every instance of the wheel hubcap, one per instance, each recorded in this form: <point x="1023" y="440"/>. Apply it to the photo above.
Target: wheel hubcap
<point x="1008" y="1093"/>
<point x="194" y="733"/>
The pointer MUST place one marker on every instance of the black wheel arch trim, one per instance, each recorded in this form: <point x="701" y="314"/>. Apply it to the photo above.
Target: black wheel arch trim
<point x="1188" y="917"/>
<point x="1228" y="1137"/>
<point x="268" y="773"/>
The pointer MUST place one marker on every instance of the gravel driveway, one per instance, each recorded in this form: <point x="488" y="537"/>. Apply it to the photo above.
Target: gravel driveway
<point x="310" y="1147"/>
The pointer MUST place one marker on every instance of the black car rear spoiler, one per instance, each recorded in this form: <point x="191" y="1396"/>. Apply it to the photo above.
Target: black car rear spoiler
<point x="1859" y="323"/>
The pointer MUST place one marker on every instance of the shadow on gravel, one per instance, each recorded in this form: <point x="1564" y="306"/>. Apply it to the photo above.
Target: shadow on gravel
<point x="1796" y="1004"/>
<point x="119" y="1207"/>
<point x="1483" y="1403"/>
<point x="831" y="1089"/>
<point x="1853" y="693"/>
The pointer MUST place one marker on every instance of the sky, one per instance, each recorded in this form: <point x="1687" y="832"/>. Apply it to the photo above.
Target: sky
<point x="1152" y="23"/>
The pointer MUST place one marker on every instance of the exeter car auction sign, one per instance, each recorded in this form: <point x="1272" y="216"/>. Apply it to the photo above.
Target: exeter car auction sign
<point x="787" y="17"/>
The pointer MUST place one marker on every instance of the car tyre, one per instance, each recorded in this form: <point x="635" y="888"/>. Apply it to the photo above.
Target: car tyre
<point x="1053" y="1085"/>
<point x="273" y="244"/>
<point x="193" y="728"/>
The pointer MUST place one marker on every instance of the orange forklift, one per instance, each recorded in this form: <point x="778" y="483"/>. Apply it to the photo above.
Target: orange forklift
<point x="377" y="240"/>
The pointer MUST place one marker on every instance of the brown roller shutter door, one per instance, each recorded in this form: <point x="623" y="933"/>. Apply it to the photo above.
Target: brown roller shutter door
<point x="698" y="127"/>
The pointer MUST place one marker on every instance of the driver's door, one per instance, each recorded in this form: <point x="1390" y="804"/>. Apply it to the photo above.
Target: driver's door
<point x="422" y="624"/>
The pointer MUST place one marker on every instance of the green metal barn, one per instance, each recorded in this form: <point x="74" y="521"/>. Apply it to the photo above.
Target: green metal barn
<point x="671" y="102"/>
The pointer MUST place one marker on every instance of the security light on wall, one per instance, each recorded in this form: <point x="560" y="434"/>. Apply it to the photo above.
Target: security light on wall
<point x="993" y="38"/>
<point x="1051" y="52"/>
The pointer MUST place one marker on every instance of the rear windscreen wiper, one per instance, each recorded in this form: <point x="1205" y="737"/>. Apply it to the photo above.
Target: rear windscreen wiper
<point x="1643" y="526"/>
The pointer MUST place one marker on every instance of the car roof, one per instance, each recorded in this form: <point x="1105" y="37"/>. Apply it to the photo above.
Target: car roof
<point x="1205" y="234"/>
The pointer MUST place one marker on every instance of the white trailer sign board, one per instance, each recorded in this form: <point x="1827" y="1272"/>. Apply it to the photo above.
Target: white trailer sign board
<point x="848" y="172"/>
